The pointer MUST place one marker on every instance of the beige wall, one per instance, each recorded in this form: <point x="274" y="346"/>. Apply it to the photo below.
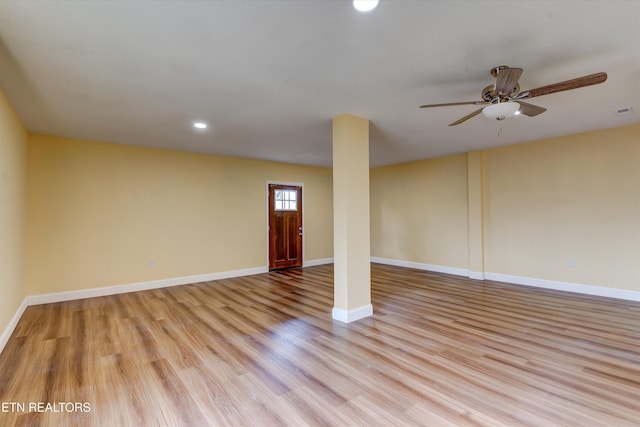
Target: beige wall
<point x="97" y="213"/>
<point x="13" y="148"/>
<point x="565" y="209"/>
<point x="419" y="212"/>
<point x="575" y="198"/>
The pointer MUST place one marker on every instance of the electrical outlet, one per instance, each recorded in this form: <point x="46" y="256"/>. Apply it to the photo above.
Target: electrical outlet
<point x="152" y="263"/>
<point x="571" y="263"/>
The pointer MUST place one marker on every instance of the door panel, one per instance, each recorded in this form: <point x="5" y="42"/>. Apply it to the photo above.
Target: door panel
<point x="285" y="226"/>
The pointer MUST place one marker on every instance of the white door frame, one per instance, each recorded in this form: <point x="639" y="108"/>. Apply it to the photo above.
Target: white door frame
<point x="266" y="212"/>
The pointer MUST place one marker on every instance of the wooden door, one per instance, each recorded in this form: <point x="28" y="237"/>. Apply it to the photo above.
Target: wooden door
<point x="285" y="226"/>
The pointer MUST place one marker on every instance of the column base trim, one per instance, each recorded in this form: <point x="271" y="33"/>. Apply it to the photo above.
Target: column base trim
<point x="348" y="316"/>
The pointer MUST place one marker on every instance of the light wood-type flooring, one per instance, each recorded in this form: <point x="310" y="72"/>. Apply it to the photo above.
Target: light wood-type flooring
<point x="262" y="350"/>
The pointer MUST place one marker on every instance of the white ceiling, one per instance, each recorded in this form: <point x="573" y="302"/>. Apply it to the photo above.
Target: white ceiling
<point x="268" y="75"/>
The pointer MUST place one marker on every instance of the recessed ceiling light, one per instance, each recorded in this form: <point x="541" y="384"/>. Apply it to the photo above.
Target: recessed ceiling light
<point x="200" y="125"/>
<point x="365" y="5"/>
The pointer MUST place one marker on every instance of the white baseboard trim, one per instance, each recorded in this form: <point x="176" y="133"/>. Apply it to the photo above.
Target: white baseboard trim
<point x="476" y="275"/>
<point x="566" y="286"/>
<point x="348" y="316"/>
<point x="345" y="316"/>
<point x="314" y="262"/>
<point x="119" y="289"/>
<point x="140" y="286"/>
<point x="420" y="266"/>
<point x="519" y="280"/>
<point x="6" y="334"/>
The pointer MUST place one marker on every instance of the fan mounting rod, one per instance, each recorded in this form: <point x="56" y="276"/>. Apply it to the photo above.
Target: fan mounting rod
<point x="496" y="70"/>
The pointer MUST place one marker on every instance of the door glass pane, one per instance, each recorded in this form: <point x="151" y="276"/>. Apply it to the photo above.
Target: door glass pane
<point x="286" y="200"/>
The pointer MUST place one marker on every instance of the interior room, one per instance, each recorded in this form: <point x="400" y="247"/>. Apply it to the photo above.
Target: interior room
<point x="302" y="213"/>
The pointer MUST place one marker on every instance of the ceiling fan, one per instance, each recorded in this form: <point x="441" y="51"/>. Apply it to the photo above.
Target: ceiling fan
<point x="504" y="99"/>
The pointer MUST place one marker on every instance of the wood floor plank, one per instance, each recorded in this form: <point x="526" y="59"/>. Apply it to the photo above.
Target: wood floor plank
<point x="262" y="350"/>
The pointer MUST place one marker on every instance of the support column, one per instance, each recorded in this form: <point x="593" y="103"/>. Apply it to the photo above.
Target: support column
<point x="351" y="240"/>
<point x="475" y="214"/>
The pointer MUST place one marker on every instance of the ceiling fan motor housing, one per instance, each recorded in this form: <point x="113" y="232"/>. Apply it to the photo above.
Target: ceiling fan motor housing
<point x="489" y="94"/>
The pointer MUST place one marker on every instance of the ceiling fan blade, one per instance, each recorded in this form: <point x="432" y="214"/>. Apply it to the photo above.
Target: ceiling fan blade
<point x="591" y="79"/>
<point x="454" y="103"/>
<point x="467" y="117"/>
<point x="530" y="109"/>
<point x="506" y="81"/>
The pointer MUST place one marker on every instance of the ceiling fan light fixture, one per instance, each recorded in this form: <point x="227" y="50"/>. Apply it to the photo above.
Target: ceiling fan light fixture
<point x="365" y="5"/>
<point x="501" y="110"/>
